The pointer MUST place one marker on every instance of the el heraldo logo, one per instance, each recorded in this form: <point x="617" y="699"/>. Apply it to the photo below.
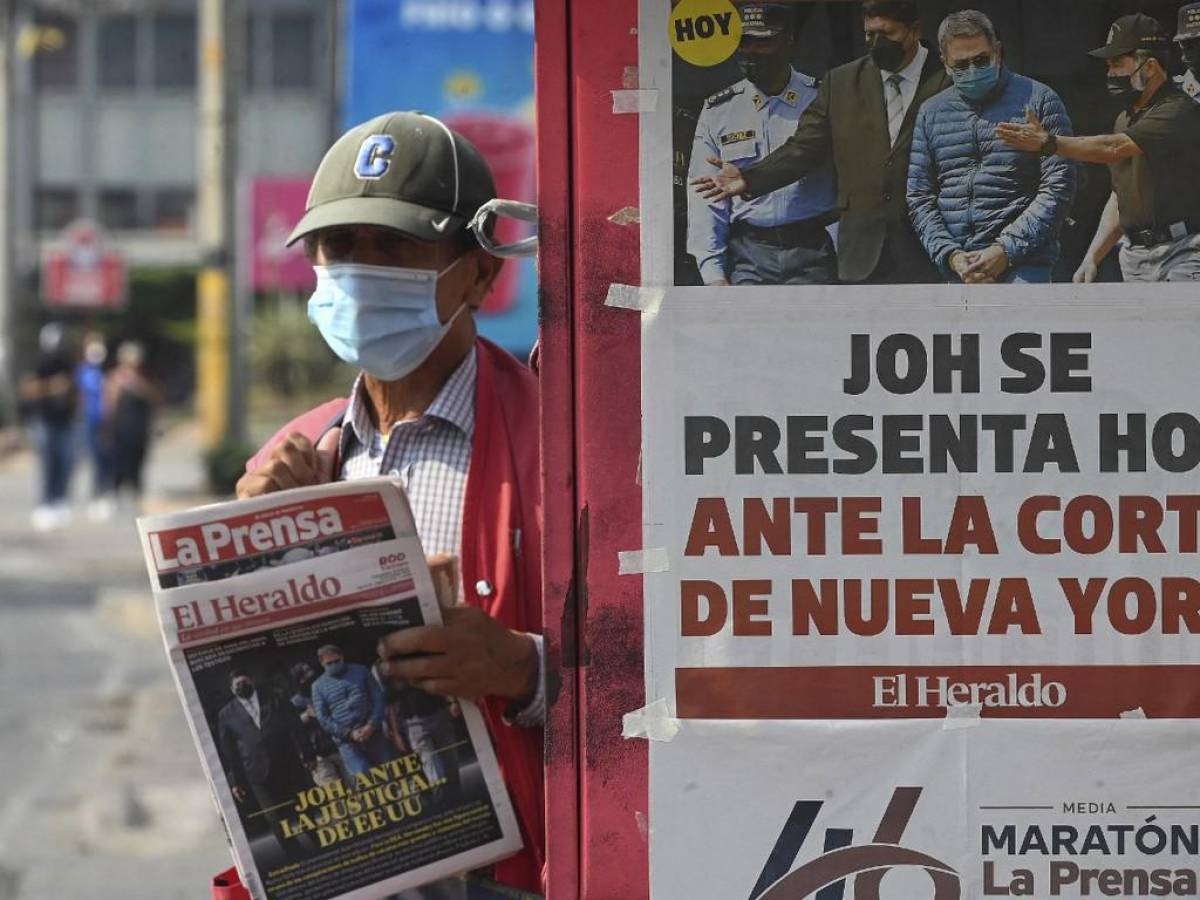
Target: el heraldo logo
<point x="843" y="863"/>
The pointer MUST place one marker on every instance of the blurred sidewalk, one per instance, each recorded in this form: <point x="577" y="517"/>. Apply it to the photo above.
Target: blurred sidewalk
<point x="105" y="795"/>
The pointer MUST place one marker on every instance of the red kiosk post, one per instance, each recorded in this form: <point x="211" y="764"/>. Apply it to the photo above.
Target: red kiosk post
<point x="591" y="437"/>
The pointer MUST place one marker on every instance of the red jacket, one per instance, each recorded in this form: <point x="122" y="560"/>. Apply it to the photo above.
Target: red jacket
<point x="501" y="544"/>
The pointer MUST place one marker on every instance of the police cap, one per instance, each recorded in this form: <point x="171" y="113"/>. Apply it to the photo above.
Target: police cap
<point x="766" y="20"/>
<point x="1189" y="22"/>
<point x="1132" y="33"/>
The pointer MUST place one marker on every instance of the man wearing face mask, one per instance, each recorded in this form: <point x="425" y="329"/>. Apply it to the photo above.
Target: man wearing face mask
<point x="454" y="418"/>
<point x="862" y="120"/>
<point x="1188" y="40"/>
<point x="348" y="703"/>
<point x="986" y="212"/>
<point x="263" y="753"/>
<point x="1154" y="210"/>
<point x="781" y="237"/>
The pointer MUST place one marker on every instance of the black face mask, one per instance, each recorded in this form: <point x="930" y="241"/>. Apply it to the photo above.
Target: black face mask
<point x="888" y="54"/>
<point x="757" y="69"/>
<point x="1191" y="55"/>
<point x="244" y="689"/>
<point x="1120" y="87"/>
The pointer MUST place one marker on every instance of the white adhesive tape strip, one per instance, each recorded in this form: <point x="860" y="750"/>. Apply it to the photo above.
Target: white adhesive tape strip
<point x="640" y="562"/>
<point x="1138" y="713"/>
<point x="964" y="715"/>
<point x="629" y="101"/>
<point x="653" y="722"/>
<point x="626" y="215"/>
<point x="627" y="296"/>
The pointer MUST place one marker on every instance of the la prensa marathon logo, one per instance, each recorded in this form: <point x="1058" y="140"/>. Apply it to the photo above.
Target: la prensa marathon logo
<point x="843" y="862"/>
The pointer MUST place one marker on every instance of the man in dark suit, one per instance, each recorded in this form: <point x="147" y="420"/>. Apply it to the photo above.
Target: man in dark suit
<point x="863" y="118"/>
<point x="262" y="750"/>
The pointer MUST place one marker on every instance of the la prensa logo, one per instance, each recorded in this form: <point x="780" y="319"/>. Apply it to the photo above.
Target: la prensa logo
<point x="843" y="862"/>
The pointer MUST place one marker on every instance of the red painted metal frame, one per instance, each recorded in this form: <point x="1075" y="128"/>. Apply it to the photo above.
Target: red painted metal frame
<point x="556" y="367"/>
<point x="591" y="439"/>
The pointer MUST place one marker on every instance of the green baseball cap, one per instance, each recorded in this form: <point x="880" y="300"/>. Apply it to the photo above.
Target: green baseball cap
<point x="402" y="170"/>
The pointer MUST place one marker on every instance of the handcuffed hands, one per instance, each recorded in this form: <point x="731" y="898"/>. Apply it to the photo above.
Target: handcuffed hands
<point x="980" y="266"/>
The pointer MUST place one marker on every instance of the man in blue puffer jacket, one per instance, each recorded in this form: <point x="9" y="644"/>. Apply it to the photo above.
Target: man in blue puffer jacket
<point x="348" y="703"/>
<point x="984" y="212"/>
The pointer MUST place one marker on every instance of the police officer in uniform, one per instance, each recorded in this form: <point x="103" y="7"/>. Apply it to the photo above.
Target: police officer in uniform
<point x="1188" y="40"/>
<point x="780" y="237"/>
<point x="1154" y="210"/>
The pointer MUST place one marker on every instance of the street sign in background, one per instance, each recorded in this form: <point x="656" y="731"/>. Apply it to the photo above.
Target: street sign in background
<point x="276" y="205"/>
<point x="470" y="63"/>
<point x="80" y="271"/>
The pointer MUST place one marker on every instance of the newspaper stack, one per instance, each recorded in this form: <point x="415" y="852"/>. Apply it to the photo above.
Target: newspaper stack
<point x="334" y="781"/>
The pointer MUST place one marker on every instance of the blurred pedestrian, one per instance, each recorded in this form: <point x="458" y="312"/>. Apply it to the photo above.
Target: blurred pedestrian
<point x="131" y="400"/>
<point x="51" y="398"/>
<point x="89" y="379"/>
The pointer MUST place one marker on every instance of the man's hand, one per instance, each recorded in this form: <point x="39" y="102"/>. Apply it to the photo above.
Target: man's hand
<point x="988" y="265"/>
<point x="725" y="184"/>
<point x="363" y="733"/>
<point x="239" y="793"/>
<point x="471" y="656"/>
<point x="294" y="463"/>
<point x="1029" y="136"/>
<point x="1087" y="271"/>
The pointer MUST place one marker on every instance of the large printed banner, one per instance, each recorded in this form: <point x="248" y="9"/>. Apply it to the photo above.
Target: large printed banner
<point x="892" y="504"/>
<point x="921" y="505"/>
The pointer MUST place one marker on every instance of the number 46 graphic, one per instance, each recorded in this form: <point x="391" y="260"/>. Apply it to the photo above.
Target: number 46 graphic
<point x="826" y="877"/>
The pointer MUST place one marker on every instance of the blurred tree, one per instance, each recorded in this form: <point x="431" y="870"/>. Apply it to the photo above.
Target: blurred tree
<point x="288" y="356"/>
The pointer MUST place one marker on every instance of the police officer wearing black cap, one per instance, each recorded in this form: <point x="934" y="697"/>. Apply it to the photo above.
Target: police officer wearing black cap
<point x="1152" y="155"/>
<point x="780" y="237"/>
<point x="1188" y="40"/>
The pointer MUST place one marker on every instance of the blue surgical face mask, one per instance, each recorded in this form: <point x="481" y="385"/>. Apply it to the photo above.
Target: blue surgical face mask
<point x="976" y="84"/>
<point x="380" y="319"/>
<point x="335" y="668"/>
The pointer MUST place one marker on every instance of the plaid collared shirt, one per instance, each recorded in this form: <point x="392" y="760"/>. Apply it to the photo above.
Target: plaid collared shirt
<point x="430" y="456"/>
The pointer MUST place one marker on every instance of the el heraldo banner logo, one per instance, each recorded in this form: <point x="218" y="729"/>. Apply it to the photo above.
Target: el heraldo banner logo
<point x="843" y="863"/>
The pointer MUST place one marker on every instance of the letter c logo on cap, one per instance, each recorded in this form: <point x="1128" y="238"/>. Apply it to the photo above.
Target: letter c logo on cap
<point x="374" y="157"/>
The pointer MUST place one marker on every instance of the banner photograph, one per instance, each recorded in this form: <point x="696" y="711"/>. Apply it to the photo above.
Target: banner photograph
<point x="899" y="142"/>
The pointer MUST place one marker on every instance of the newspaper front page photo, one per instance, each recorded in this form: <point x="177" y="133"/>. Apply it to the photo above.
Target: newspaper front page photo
<point x="334" y="780"/>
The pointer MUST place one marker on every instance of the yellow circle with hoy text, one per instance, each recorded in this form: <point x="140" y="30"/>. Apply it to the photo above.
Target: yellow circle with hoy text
<point x="705" y="32"/>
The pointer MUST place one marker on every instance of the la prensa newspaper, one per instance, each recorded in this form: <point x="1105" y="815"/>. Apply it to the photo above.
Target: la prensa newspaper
<point x="334" y="781"/>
